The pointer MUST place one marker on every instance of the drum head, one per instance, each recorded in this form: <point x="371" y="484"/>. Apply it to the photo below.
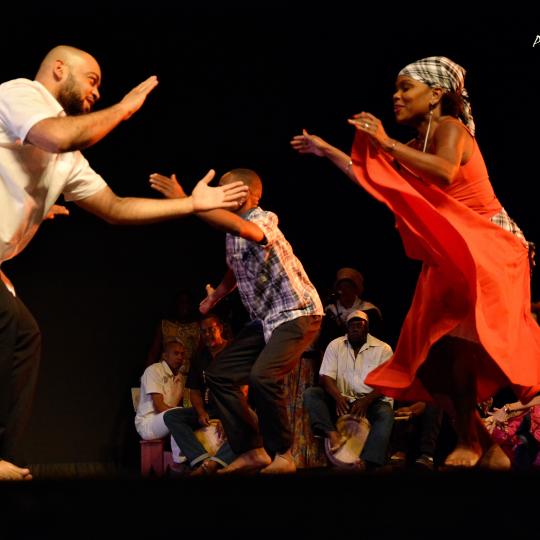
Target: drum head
<point x="355" y="430"/>
<point x="209" y="437"/>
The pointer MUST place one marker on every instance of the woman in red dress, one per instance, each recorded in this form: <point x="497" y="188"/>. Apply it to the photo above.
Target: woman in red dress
<point x="469" y="331"/>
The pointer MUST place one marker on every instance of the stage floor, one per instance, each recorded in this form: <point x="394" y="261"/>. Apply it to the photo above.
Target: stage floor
<point x="320" y="503"/>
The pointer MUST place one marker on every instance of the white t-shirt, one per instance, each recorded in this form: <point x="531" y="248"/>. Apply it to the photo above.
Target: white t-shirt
<point x="158" y="379"/>
<point x="350" y="372"/>
<point x="31" y="179"/>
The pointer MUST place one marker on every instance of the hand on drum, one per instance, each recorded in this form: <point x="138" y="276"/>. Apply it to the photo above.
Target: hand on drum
<point x="346" y="446"/>
<point x="204" y="419"/>
<point x="309" y="144"/>
<point x="342" y="405"/>
<point x="359" y="407"/>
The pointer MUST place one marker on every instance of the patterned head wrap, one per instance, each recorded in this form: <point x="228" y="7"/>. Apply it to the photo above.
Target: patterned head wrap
<point x="439" y="71"/>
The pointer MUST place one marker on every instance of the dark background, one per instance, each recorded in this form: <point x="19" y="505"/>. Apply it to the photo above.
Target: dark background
<point x="235" y="86"/>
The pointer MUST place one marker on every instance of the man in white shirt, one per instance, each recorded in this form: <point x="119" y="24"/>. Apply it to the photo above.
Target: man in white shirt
<point x="346" y="363"/>
<point x="162" y="387"/>
<point x="43" y="125"/>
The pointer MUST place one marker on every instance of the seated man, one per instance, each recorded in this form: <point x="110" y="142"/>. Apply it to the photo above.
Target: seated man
<point x="415" y="434"/>
<point x="162" y="387"/>
<point x="346" y="363"/>
<point x="183" y="422"/>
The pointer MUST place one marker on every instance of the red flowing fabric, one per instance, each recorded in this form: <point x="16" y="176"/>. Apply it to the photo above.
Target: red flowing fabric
<point x="471" y="268"/>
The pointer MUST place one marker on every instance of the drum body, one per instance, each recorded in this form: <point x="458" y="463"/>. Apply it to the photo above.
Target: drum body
<point x="355" y="431"/>
<point x="211" y="437"/>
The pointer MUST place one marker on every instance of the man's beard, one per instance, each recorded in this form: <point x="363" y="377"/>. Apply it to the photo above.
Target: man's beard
<point x="70" y="98"/>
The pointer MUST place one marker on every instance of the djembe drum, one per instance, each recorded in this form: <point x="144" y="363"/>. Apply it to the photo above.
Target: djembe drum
<point x="355" y="429"/>
<point x="211" y="437"/>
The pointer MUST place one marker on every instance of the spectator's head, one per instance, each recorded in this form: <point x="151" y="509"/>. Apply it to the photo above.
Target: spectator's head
<point x="357" y="327"/>
<point x="348" y="285"/>
<point x="174" y="353"/>
<point x="212" y="332"/>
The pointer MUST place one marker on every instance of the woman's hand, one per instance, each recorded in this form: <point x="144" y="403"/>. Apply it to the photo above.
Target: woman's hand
<point x="309" y="144"/>
<point x="372" y="127"/>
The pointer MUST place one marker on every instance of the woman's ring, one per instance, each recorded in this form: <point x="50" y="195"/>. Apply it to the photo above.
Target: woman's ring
<point x="366" y="125"/>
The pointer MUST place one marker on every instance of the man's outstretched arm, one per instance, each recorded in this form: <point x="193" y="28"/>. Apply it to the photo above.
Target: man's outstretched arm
<point x="220" y="219"/>
<point x="132" y="210"/>
<point x="68" y="133"/>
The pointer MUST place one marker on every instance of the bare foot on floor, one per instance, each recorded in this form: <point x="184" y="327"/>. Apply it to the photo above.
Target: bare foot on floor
<point x="282" y="464"/>
<point x="8" y="471"/>
<point x="463" y="456"/>
<point x="252" y="460"/>
<point x="495" y="458"/>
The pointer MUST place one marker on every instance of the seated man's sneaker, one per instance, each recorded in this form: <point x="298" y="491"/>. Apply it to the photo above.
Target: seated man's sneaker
<point x="425" y="462"/>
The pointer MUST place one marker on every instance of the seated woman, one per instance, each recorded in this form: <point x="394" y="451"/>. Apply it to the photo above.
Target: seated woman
<point x="516" y="428"/>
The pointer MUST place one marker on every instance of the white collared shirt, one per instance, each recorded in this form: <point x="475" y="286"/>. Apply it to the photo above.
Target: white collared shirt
<point x="157" y="379"/>
<point x="350" y="371"/>
<point x="31" y="179"/>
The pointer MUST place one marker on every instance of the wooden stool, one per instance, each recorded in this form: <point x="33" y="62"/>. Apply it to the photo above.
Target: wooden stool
<point x="155" y="460"/>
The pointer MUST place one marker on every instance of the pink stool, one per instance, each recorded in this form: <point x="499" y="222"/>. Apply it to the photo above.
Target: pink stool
<point x="155" y="460"/>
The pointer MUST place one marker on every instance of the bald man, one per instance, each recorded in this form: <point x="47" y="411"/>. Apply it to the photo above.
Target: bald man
<point x="44" y="124"/>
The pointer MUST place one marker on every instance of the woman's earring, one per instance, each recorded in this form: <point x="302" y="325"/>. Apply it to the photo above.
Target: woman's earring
<point x="428" y="128"/>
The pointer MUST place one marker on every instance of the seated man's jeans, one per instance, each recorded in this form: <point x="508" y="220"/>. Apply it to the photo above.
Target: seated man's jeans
<point x="183" y="422"/>
<point x="322" y="414"/>
<point x="418" y="435"/>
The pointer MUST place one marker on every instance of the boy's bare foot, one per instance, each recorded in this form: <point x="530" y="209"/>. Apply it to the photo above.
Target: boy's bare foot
<point x="282" y="464"/>
<point x="463" y="456"/>
<point x="8" y="471"/>
<point x="251" y="460"/>
<point x="495" y="458"/>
